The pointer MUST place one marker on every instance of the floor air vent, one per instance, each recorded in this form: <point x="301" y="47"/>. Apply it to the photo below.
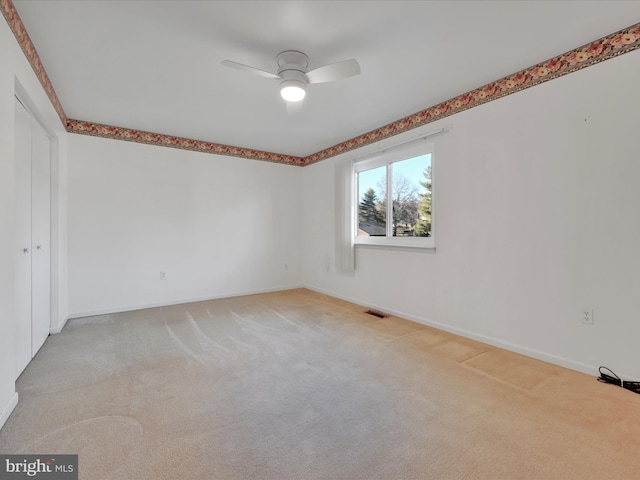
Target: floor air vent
<point x="376" y="313"/>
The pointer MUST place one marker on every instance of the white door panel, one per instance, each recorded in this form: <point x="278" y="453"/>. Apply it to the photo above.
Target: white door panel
<point x="32" y="277"/>
<point x="40" y="237"/>
<point x="22" y="270"/>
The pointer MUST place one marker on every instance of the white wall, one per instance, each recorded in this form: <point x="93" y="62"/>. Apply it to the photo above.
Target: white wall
<point x="7" y="358"/>
<point x="16" y="76"/>
<point x="218" y="226"/>
<point x="537" y="218"/>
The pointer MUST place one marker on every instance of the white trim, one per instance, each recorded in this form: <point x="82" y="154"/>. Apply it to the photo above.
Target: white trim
<point x="57" y="329"/>
<point x="399" y="247"/>
<point x="512" y="347"/>
<point x="387" y="158"/>
<point x="23" y="99"/>
<point x="8" y="409"/>
<point x="427" y="243"/>
<point x="130" y="308"/>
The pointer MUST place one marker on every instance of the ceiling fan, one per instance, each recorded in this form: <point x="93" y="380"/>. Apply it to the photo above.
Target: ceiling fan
<point x="293" y="74"/>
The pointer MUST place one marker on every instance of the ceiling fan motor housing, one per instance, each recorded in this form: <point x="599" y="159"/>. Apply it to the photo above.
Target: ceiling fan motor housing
<point x="294" y="75"/>
<point x="292" y="66"/>
<point x="292" y="59"/>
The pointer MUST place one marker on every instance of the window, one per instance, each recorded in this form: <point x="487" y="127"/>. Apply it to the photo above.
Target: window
<point x="394" y="198"/>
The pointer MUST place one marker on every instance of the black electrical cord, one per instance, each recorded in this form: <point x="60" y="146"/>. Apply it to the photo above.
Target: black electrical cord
<point x="614" y="379"/>
<point x="633" y="386"/>
<point x="606" y="378"/>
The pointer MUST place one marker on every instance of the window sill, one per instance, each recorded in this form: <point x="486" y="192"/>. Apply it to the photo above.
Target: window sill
<point x="407" y="244"/>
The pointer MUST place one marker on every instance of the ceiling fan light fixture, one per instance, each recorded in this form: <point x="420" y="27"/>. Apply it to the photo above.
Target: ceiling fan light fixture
<point x="292" y="90"/>
<point x="294" y="76"/>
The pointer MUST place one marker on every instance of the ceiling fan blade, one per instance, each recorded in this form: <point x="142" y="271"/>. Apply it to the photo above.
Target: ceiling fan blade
<point x="334" y="71"/>
<point x="247" y="68"/>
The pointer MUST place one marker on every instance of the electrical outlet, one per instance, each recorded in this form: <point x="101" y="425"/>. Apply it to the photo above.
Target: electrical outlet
<point x="587" y="317"/>
<point x="163" y="275"/>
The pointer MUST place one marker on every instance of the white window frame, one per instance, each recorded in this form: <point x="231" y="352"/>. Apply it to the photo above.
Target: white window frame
<point x="387" y="158"/>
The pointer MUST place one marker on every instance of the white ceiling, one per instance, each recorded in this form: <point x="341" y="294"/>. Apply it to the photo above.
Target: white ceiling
<point x="155" y="65"/>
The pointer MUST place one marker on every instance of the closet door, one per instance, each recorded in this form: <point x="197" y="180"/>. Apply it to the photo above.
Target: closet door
<point x="32" y="274"/>
<point x="22" y="263"/>
<point x="40" y="236"/>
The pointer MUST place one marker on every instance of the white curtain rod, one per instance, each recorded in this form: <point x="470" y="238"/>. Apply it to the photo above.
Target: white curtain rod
<point x="418" y="138"/>
<point x="424" y="136"/>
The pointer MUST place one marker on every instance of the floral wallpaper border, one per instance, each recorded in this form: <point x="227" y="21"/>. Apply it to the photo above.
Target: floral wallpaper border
<point x="108" y="131"/>
<point x="626" y="40"/>
<point x="623" y="41"/>
<point x="20" y="32"/>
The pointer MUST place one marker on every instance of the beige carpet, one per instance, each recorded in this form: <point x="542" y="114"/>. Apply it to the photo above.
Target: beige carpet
<point x="299" y="385"/>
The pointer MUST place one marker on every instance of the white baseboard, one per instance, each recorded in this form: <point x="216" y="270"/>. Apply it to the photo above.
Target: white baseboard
<point x="529" y="352"/>
<point x="131" y="308"/>
<point x="59" y="327"/>
<point x="8" y="409"/>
